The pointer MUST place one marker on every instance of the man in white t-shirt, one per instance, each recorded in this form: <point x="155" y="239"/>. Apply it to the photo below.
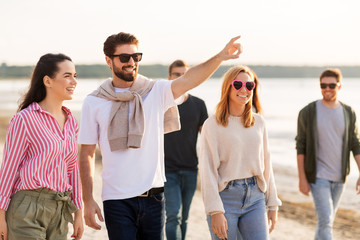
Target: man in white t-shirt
<point x="126" y="116"/>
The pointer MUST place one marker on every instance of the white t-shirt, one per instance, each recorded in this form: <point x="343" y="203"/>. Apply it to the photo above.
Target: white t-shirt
<point x="131" y="172"/>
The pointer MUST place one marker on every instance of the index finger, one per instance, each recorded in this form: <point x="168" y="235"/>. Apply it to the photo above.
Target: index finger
<point x="234" y="39"/>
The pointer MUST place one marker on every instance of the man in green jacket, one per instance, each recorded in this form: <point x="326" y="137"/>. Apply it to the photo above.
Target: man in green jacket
<point x="327" y="132"/>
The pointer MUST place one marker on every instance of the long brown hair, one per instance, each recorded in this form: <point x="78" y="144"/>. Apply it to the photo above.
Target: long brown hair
<point x="255" y="97"/>
<point x="46" y="66"/>
<point x="222" y="109"/>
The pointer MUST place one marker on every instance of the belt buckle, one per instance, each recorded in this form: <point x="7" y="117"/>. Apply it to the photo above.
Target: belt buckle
<point x="145" y="194"/>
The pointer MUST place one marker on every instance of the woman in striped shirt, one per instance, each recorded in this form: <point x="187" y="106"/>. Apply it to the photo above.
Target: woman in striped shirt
<point x="39" y="175"/>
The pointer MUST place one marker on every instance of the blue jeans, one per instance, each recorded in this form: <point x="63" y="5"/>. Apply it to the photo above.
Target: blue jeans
<point x="245" y="210"/>
<point x="180" y="187"/>
<point x="135" y="218"/>
<point x="326" y="196"/>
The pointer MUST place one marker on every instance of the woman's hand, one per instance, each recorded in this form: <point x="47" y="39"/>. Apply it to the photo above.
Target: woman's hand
<point x="272" y="219"/>
<point x="3" y="225"/>
<point x="78" y="225"/>
<point x="219" y="225"/>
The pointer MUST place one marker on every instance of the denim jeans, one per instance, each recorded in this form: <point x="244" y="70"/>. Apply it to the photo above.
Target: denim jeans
<point x="180" y="187"/>
<point x="245" y="210"/>
<point x="135" y="218"/>
<point x="326" y="196"/>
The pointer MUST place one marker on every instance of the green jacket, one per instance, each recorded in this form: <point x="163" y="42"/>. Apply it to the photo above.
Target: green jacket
<point x="306" y="139"/>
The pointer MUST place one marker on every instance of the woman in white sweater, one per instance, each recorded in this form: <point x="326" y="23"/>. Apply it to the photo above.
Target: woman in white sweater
<point x="237" y="181"/>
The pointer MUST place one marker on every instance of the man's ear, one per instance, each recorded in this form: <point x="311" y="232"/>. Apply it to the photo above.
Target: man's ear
<point x="108" y="61"/>
<point x="47" y="81"/>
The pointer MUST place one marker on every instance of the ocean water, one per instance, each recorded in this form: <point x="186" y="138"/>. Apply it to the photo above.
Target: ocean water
<point x="281" y="100"/>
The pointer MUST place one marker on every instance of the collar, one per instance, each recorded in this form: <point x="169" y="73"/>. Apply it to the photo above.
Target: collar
<point x="36" y="107"/>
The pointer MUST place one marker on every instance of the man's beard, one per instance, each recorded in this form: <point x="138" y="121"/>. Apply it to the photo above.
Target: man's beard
<point x="331" y="98"/>
<point x="125" y="76"/>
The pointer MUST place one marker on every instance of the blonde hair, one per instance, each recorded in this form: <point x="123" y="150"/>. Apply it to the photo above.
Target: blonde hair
<point x="222" y="109"/>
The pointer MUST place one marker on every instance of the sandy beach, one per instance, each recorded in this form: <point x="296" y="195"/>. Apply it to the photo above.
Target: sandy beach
<point x="297" y="218"/>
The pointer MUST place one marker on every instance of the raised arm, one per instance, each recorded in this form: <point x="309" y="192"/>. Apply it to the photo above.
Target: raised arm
<point x="87" y="158"/>
<point x="199" y="73"/>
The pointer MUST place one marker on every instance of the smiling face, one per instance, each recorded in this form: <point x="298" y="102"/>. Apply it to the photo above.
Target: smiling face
<point x="242" y="96"/>
<point x="124" y="71"/>
<point x="330" y="95"/>
<point x="63" y="84"/>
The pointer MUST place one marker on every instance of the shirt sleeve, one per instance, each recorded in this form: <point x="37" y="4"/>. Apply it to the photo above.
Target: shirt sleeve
<point x="74" y="180"/>
<point x="301" y="133"/>
<point x="15" y="147"/>
<point x="355" y="142"/>
<point x="204" y="113"/>
<point x="209" y="162"/>
<point x="272" y="200"/>
<point x="169" y="100"/>
<point x="74" y="176"/>
<point x="89" y="128"/>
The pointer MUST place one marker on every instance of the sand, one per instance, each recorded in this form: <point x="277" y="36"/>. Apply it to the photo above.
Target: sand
<point x="297" y="218"/>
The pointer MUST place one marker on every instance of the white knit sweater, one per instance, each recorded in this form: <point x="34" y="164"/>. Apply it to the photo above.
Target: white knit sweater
<point x="234" y="152"/>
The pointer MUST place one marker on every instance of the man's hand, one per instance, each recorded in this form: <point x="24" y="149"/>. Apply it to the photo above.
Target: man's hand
<point x="90" y="209"/>
<point x="304" y="187"/>
<point x="232" y="50"/>
<point x="219" y="225"/>
<point x="272" y="219"/>
<point x="358" y="186"/>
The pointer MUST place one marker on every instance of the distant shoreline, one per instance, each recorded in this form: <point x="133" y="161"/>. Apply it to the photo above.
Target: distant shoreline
<point x="161" y="71"/>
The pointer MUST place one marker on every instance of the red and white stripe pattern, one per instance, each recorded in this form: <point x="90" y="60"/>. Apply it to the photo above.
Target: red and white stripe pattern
<point x="37" y="154"/>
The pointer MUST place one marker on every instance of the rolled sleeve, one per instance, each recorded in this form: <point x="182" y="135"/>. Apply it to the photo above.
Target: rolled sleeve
<point x="301" y="134"/>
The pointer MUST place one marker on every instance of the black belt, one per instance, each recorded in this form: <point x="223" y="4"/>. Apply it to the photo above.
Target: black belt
<point x="152" y="191"/>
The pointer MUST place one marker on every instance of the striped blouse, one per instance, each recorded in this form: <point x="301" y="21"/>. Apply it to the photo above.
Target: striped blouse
<point x="37" y="154"/>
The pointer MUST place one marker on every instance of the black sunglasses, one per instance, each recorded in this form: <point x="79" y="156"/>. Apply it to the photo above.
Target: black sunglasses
<point x="330" y="85"/>
<point x="124" y="57"/>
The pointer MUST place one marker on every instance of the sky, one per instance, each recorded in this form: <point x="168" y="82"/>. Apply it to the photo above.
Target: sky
<point x="273" y="32"/>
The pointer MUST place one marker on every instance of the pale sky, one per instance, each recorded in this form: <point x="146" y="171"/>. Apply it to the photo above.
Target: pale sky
<point x="286" y="32"/>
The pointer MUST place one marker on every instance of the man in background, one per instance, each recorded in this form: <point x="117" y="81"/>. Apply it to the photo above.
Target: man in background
<point x="181" y="162"/>
<point x="327" y="132"/>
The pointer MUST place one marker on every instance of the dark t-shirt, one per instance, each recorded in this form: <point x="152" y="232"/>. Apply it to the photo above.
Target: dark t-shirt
<point x="180" y="146"/>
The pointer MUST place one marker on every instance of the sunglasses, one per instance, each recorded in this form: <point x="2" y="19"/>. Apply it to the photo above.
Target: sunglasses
<point x="124" y="57"/>
<point x="237" y="85"/>
<point x="330" y="85"/>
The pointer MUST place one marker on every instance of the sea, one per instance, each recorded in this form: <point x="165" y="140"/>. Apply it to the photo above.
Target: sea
<point x="281" y="99"/>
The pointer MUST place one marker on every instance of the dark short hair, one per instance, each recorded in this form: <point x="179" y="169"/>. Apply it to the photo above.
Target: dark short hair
<point x="177" y="63"/>
<point x="46" y="66"/>
<point x="118" y="39"/>
<point x="332" y="72"/>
